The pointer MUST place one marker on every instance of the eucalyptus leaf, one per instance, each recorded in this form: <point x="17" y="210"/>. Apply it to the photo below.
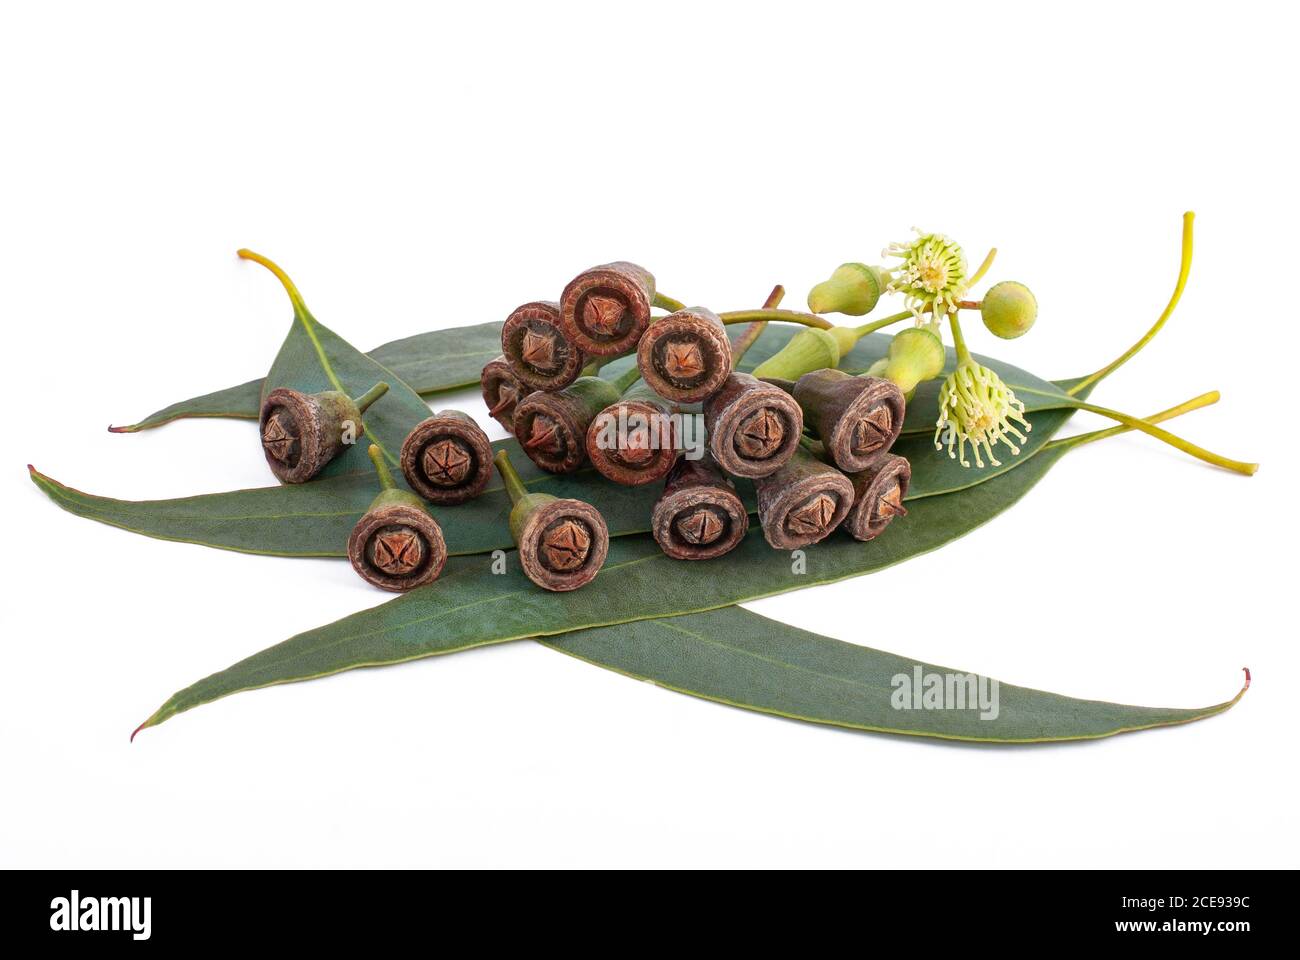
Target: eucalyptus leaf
<point x="314" y="519"/>
<point x="428" y="363"/>
<point x="314" y="359"/>
<point x="471" y="606"/>
<point x="442" y="360"/>
<point x="735" y="657"/>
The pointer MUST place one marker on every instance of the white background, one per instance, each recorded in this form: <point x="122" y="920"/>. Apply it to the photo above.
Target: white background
<point x="434" y="165"/>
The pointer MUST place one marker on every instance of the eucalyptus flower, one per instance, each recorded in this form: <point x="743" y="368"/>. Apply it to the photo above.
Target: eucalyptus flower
<point x="932" y="276"/>
<point x="976" y="407"/>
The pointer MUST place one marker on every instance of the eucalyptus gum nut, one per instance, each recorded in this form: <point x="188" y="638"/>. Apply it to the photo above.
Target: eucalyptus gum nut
<point x="541" y="355"/>
<point x="698" y="516"/>
<point x="856" y="418"/>
<point x="643" y="452"/>
<point x="753" y="427"/>
<point x="562" y="543"/>
<point x="853" y="289"/>
<point x="302" y="433"/>
<point x="1009" y="309"/>
<point x="552" y="427"/>
<point x="809" y="349"/>
<point x="686" y="355"/>
<point x="605" y="310"/>
<point x="878" y="495"/>
<point x="397" y="546"/>
<point x="801" y="503"/>
<point x="502" y="391"/>
<point x="447" y="459"/>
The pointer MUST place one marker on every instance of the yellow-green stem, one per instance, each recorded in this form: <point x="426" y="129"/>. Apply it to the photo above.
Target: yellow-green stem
<point x="385" y="475"/>
<point x="1196" y="403"/>
<point x="510" y="477"/>
<point x="1200" y="453"/>
<point x="978" y="275"/>
<point x="364" y="401"/>
<point x="1183" y="270"/>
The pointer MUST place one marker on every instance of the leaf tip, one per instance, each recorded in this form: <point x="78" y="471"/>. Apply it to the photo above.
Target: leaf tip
<point x="1246" y="670"/>
<point x="113" y="429"/>
<point x="147" y="723"/>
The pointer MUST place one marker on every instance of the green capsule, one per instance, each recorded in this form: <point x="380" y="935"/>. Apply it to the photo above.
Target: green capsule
<point x="1009" y="310"/>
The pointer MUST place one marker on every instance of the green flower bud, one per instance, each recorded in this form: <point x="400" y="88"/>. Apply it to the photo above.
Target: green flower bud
<point x="975" y="406"/>
<point x="1009" y="309"/>
<point x="808" y="350"/>
<point x="915" y="354"/>
<point x="853" y="289"/>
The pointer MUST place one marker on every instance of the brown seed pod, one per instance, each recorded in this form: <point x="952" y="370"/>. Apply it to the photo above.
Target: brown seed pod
<point x="634" y="441"/>
<point x="562" y="543"/>
<point x="856" y="418"/>
<point x="541" y="354"/>
<point x="878" y="494"/>
<point x="303" y="432"/>
<point x="686" y="355"/>
<point x="397" y="545"/>
<point x="552" y="427"/>
<point x="447" y="458"/>
<point x="698" y="516"/>
<point x="753" y="427"/>
<point x="605" y="310"/>
<point x="502" y="391"/>
<point x="802" y="502"/>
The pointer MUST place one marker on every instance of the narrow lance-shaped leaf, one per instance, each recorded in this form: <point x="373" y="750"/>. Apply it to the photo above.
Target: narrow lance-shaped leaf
<point x="314" y="359"/>
<point x="469" y="607"/>
<point x="313" y="519"/>
<point x="428" y="363"/>
<point x="738" y="658"/>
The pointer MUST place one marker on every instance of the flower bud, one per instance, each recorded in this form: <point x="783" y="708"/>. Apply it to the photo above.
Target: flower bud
<point x="1009" y="309"/>
<point x="915" y="354"/>
<point x="853" y="289"/>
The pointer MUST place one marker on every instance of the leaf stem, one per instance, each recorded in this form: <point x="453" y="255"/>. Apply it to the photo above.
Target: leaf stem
<point x="299" y="307"/>
<point x="1200" y="453"/>
<point x="1183" y="270"/>
<point x="1204" y="400"/>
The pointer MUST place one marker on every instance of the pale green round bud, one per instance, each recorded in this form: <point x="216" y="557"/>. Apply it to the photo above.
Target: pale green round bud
<point x="853" y="289"/>
<point x="1009" y="309"/>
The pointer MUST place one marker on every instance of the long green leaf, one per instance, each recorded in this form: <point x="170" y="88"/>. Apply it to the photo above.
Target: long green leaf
<point x="314" y="359"/>
<point x="470" y="607"/>
<point x="429" y="363"/>
<point x="442" y="360"/>
<point x="736" y="657"/>
<point x="314" y="519"/>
